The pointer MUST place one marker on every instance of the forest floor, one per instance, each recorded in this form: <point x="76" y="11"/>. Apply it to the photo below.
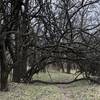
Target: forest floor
<point x="81" y="90"/>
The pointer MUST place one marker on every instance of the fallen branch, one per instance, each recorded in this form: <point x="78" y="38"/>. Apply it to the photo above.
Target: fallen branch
<point x="75" y="80"/>
<point x="46" y="82"/>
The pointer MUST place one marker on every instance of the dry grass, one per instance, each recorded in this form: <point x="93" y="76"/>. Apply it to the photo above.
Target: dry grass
<point x="77" y="91"/>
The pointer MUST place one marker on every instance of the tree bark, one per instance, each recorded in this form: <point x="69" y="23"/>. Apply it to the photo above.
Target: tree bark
<point x="4" y="68"/>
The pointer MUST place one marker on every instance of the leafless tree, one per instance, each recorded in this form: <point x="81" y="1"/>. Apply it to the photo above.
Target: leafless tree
<point x="48" y="31"/>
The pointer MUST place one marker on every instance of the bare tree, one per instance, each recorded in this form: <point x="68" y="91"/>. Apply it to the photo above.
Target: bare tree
<point x="48" y="31"/>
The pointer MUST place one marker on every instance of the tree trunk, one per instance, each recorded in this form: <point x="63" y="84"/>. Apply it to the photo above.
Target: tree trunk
<point x="16" y="72"/>
<point x="62" y="67"/>
<point x="4" y="68"/>
<point x="18" y="56"/>
<point x="20" y="67"/>
<point x="24" y="63"/>
<point x="68" y="67"/>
